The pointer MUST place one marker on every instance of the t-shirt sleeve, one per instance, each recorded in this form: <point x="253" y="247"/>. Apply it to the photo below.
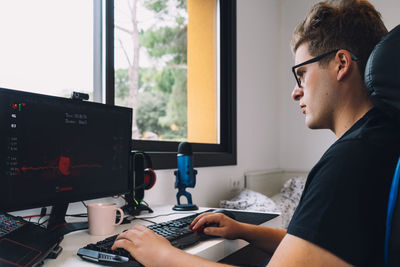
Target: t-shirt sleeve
<point x="343" y="206"/>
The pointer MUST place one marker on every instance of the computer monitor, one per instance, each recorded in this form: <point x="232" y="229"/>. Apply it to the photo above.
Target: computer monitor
<point x="54" y="151"/>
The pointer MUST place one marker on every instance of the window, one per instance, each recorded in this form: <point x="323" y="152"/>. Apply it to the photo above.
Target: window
<point x="177" y="56"/>
<point x="174" y="62"/>
<point x="47" y="46"/>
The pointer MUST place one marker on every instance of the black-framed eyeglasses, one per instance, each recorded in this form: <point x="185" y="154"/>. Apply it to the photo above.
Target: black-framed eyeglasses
<point x="315" y="59"/>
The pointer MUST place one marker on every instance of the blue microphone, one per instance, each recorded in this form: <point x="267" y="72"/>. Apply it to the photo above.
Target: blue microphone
<point x="185" y="176"/>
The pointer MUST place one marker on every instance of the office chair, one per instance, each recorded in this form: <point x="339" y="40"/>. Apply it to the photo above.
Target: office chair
<point x="382" y="78"/>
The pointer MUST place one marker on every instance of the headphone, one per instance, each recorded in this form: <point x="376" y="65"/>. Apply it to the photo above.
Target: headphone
<point x="145" y="177"/>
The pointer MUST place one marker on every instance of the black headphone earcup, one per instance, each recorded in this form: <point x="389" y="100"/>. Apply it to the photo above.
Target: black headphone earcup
<point x="149" y="178"/>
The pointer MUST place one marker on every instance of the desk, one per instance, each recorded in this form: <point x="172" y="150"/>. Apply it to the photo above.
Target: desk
<point x="214" y="250"/>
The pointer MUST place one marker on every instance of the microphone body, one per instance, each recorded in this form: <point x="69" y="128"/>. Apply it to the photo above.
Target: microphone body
<point x="185" y="176"/>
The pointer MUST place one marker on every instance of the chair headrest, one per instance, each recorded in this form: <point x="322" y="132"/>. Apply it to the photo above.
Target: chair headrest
<point x="382" y="73"/>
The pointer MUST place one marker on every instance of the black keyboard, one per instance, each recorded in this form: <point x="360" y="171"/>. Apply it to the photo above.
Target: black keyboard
<point x="9" y="223"/>
<point x="176" y="231"/>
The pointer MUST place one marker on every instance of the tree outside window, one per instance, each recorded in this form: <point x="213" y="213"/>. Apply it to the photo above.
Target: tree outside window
<point x="151" y="66"/>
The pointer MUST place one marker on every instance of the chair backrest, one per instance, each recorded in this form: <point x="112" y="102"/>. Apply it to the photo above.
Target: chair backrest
<point x="392" y="238"/>
<point x="382" y="78"/>
<point x="382" y="73"/>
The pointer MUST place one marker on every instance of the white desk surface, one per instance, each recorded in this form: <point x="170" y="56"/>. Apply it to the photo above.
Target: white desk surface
<point x="214" y="250"/>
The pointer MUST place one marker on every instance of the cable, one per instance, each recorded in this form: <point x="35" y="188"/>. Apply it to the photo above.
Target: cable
<point x="132" y="218"/>
<point x="79" y="215"/>
<point x="40" y="224"/>
<point x="167" y="214"/>
<point x="43" y="211"/>
<point x="34" y="216"/>
<point x="40" y="217"/>
<point x="145" y="220"/>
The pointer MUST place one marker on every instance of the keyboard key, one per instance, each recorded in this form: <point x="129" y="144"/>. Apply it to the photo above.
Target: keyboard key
<point x="9" y="223"/>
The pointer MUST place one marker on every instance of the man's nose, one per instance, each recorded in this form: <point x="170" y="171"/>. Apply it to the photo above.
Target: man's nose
<point x="297" y="93"/>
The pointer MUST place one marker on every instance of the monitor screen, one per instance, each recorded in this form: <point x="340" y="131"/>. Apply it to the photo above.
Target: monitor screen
<point x="58" y="150"/>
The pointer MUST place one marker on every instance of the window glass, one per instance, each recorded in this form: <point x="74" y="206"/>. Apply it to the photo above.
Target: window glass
<point x="47" y="46"/>
<point x="165" y="64"/>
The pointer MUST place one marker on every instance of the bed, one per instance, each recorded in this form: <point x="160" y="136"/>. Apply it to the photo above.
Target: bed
<point x="270" y="191"/>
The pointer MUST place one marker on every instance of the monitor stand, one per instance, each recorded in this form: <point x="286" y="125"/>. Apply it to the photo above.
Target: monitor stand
<point x="57" y="216"/>
<point x="57" y="223"/>
<point x="58" y="227"/>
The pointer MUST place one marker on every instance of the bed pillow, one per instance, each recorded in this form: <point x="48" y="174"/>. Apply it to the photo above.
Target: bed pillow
<point x="293" y="188"/>
<point x="291" y="192"/>
<point x="250" y="200"/>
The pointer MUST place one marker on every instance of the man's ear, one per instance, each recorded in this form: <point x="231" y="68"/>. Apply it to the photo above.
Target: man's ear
<point x="343" y="63"/>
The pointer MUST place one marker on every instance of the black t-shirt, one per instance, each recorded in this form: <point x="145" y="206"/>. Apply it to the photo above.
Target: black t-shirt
<point x="344" y="203"/>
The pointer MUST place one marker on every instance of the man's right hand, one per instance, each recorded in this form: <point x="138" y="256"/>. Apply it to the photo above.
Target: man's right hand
<point x="217" y="224"/>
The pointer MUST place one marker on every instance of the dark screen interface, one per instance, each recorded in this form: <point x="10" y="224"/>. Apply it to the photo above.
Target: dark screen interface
<point x="61" y="150"/>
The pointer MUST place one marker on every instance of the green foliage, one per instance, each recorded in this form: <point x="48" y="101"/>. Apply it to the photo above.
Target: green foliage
<point x="166" y="41"/>
<point x="156" y="6"/>
<point x="162" y="99"/>
<point x="150" y="108"/>
<point x="177" y="104"/>
<point x="182" y="4"/>
<point x="164" y="80"/>
<point x="121" y="84"/>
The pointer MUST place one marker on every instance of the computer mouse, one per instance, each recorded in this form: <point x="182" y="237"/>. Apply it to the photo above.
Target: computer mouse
<point x="225" y="212"/>
<point x="228" y="213"/>
<point x="201" y="228"/>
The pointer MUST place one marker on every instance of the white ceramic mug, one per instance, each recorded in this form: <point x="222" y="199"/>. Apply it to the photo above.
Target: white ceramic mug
<point x="102" y="217"/>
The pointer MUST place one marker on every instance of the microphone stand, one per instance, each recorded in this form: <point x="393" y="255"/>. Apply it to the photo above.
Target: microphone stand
<point x="182" y="192"/>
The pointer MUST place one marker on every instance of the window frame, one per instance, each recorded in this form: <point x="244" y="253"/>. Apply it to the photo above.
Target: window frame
<point x="163" y="153"/>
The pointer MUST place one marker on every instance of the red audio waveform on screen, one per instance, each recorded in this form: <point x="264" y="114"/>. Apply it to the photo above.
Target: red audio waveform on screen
<point x="64" y="166"/>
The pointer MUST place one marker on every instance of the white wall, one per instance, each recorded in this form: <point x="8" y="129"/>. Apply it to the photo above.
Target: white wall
<point x="390" y="10"/>
<point x="258" y="46"/>
<point x="301" y="147"/>
<point x="270" y="128"/>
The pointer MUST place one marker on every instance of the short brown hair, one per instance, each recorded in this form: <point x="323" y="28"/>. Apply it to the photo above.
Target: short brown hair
<point x="354" y="25"/>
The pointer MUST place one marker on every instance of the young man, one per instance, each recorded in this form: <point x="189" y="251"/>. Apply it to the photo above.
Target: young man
<point x="340" y="220"/>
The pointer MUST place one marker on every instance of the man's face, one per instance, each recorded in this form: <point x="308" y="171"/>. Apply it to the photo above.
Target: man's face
<point x="315" y="95"/>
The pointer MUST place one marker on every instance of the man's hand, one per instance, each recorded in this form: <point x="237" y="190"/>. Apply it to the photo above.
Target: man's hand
<point x="142" y="243"/>
<point x="222" y="225"/>
<point x="151" y="249"/>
